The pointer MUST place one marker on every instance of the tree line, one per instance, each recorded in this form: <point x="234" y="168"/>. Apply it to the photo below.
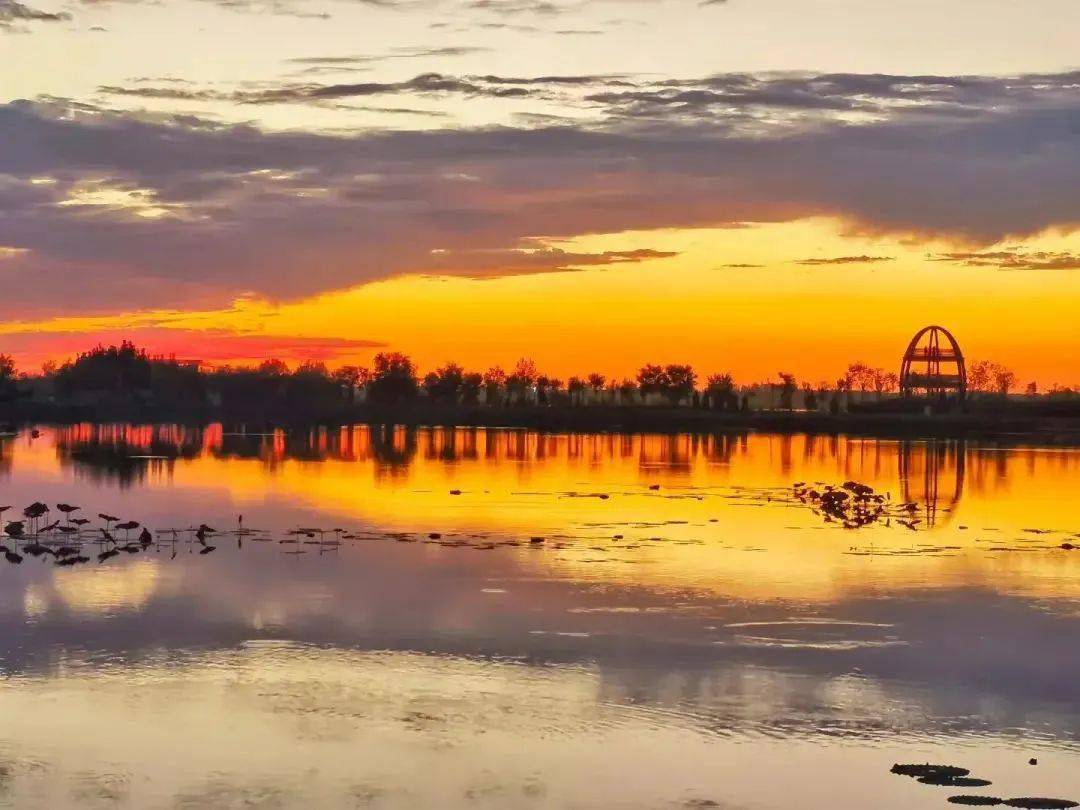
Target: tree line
<point x="127" y="374"/>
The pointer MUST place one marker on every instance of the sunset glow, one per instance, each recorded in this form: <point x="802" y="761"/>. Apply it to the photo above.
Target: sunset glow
<point x="742" y="186"/>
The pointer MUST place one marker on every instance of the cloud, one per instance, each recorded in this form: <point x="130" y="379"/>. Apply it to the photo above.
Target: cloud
<point x="424" y="84"/>
<point x="767" y="104"/>
<point x="301" y="9"/>
<point x="174" y="210"/>
<point x="542" y="8"/>
<point x="396" y="53"/>
<point x="13" y="12"/>
<point x="1015" y="260"/>
<point x="771" y="103"/>
<point x="499" y="263"/>
<point x="845" y="260"/>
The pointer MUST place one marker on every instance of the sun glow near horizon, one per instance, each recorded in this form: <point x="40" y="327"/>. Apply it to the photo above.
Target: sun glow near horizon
<point x="808" y="296"/>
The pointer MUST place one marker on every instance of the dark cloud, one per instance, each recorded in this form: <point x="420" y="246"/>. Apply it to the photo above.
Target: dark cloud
<point x="1015" y="260"/>
<point x="302" y="9"/>
<point x="579" y="81"/>
<point x="279" y="8"/>
<point x="774" y="98"/>
<point x="500" y="263"/>
<point x="424" y="84"/>
<point x="13" y="12"/>
<point x="762" y="104"/>
<point x="397" y="53"/>
<point x="543" y="8"/>
<point x="845" y="260"/>
<point x="168" y="210"/>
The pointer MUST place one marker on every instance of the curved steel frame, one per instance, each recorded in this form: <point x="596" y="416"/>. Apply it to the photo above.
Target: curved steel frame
<point x="940" y="348"/>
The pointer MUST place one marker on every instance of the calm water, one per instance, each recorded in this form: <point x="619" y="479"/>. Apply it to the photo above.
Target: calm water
<point x="686" y="634"/>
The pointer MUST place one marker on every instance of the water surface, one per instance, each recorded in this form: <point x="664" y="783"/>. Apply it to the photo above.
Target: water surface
<point x="508" y="619"/>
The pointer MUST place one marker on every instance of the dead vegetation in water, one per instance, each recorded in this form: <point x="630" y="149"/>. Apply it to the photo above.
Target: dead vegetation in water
<point x="976" y="801"/>
<point x="954" y="776"/>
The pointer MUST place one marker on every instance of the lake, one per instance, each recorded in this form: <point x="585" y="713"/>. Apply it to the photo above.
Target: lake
<point x="502" y="619"/>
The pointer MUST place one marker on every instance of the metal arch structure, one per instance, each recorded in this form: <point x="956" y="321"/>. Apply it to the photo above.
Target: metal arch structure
<point x="933" y="365"/>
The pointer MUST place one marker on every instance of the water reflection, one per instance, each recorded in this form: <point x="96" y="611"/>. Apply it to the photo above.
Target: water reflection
<point x="692" y="637"/>
<point x="932" y="474"/>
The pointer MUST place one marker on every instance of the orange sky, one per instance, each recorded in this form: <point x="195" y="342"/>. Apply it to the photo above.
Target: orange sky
<point x="780" y="314"/>
<point x="743" y="186"/>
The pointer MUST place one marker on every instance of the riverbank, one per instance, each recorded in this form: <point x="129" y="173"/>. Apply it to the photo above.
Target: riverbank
<point x="1013" y="425"/>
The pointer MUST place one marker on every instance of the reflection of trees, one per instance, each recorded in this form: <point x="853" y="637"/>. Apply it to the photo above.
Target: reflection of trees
<point x="720" y="447"/>
<point x="393" y="447"/>
<point x="674" y="452"/>
<point x="126" y="454"/>
<point x="932" y="476"/>
<point x="7" y="453"/>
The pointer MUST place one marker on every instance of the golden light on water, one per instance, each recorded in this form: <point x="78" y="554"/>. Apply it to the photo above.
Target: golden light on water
<point x="703" y="512"/>
<point x="105" y="590"/>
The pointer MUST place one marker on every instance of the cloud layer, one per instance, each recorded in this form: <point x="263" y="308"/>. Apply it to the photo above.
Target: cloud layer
<point x="12" y="13"/>
<point x="107" y="209"/>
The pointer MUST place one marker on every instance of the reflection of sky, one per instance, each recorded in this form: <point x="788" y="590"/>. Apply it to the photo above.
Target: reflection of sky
<point x="738" y="640"/>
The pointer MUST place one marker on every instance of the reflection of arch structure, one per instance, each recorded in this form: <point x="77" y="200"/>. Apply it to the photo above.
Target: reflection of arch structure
<point x="933" y="365"/>
<point x="924" y="489"/>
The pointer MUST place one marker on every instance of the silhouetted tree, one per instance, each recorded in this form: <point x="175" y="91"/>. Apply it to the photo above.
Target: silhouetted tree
<point x="444" y="384"/>
<point x="651" y="379"/>
<point x="788" y="387"/>
<point x="986" y="376"/>
<point x="574" y="387"/>
<point x="1004" y="380"/>
<point x="310" y="388"/>
<point x="393" y="378"/>
<point x="494" y="379"/>
<point x="471" y="383"/>
<point x="521" y="379"/>
<point x="721" y="391"/>
<point x="118" y="369"/>
<point x="679" y="382"/>
<point x="8" y="388"/>
<point x="351" y="378"/>
<point x="273" y="367"/>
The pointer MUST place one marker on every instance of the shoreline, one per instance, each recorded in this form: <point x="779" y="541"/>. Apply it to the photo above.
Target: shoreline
<point x="1055" y="430"/>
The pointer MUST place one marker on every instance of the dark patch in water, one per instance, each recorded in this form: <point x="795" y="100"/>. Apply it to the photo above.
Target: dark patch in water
<point x="976" y="801"/>
<point x="953" y="781"/>
<point x="927" y="770"/>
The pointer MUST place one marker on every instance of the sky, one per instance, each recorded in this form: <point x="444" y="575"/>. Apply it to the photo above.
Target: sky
<point x="751" y="186"/>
